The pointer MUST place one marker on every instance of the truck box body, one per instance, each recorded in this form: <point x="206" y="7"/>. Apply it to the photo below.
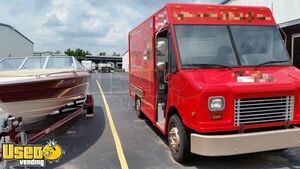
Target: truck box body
<point x="88" y="65"/>
<point x="106" y="67"/>
<point x="214" y="55"/>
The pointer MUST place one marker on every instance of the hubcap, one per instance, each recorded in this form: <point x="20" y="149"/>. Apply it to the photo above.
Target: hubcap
<point x="174" y="139"/>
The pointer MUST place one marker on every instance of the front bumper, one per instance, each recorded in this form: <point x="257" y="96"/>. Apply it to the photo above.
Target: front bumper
<point x="224" y="145"/>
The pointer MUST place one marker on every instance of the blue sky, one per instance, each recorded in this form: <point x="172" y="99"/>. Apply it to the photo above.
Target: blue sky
<point x="94" y="25"/>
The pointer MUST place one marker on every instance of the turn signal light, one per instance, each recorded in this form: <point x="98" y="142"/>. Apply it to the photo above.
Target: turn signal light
<point x="216" y="116"/>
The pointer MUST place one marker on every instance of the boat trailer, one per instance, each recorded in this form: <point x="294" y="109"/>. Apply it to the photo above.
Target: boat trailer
<point x="13" y="131"/>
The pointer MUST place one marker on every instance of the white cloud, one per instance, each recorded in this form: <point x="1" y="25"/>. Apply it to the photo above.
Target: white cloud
<point x="88" y="24"/>
<point x="102" y="27"/>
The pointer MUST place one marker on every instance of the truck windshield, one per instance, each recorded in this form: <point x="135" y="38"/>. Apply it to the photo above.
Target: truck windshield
<point x="214" y="45"/>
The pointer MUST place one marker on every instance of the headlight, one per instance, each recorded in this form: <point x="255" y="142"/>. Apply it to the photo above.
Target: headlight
<point x="216" y="103"/>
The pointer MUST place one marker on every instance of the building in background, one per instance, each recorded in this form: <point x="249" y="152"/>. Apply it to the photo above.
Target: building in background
<point x="49" y="53"/>
<point x="13" y="43"/>
<point x="116" y="60"/>
<point x="125" y="61"/>
<point x="287" y="15"/>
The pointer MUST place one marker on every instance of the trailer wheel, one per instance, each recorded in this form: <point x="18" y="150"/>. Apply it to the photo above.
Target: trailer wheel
<point x="137" y="107"/>
<point x="89" y="112"/>
<point x="178" y="140"/>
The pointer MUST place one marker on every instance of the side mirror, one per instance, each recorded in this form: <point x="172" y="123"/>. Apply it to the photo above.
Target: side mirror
<point x="161" y="66"/>
<point x="161" y="47"/>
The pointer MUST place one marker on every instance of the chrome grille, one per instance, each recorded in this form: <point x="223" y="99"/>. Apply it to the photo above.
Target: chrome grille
<point x="263" y="110"/>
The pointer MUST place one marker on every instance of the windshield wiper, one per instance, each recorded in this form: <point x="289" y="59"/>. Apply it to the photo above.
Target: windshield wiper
<point x="271" y="62"/>
<point x="207" y="65"/>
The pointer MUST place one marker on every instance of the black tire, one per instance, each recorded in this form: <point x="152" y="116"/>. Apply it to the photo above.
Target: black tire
<point x="137" y="107"/>
<point x="181" y="153"/>
<point x="90" y="110"/>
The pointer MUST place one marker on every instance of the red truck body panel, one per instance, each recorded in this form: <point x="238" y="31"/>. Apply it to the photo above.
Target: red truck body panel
<point x="219" y="14"/>
<point x="189" y="90"/>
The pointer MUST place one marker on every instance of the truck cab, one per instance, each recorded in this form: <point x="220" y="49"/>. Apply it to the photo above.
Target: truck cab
<point x="215" y="79"/>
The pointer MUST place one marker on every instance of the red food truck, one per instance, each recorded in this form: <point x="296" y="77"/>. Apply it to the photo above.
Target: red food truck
<point x="215" y="79"/>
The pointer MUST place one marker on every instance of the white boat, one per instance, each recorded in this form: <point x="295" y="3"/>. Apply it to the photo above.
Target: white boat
<point x="31" y="88"/>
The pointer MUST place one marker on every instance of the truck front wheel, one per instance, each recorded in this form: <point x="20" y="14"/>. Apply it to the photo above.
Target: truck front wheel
<point x="137" y="107"/>
<point x="178" y="140"/>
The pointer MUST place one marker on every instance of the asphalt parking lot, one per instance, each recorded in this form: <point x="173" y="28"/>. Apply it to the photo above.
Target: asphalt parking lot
<point x="90" y="143"/>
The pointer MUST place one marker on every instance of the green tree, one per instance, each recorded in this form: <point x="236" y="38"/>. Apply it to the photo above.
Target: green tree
<point x="87" y="53"/>
<point x="116" y="54"/>
<point x="78" y="53"/>
<point x="102" y="53"/>
<point x="69" y="52"/>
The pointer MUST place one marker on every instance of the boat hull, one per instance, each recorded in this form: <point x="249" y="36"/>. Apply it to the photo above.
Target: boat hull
<point x="34" y="99"/>
<point x="35" y="110"/>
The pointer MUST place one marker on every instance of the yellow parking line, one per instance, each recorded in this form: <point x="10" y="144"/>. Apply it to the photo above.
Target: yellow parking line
<point x="118" y="144"/>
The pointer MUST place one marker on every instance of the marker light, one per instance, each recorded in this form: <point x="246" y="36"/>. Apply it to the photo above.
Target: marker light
<point x="216" y="103"/>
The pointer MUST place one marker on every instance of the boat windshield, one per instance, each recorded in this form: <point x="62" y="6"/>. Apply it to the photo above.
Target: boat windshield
<point x="34" y="63"/>
<point x="229" y="46"/>
<point x="11" y="64"/>
<point x="59" y="63"/>
<point x="49" y="62"/>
